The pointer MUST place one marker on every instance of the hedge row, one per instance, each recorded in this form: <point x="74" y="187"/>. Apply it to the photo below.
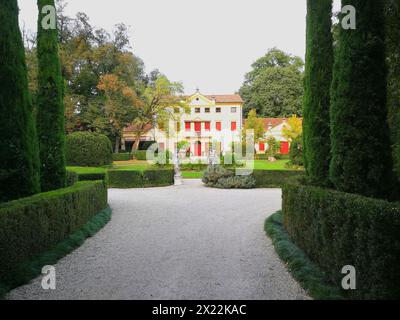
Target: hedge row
<point x="275" y="178"/>
<point x="139" y="179"/>
<point x="30" y="226"/>
<point x="336" y="229"/>
<point x="122" y="156"/>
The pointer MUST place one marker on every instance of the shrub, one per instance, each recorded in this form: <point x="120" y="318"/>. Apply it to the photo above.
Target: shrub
<point x="336" y="229"/>
<point x="88" y="149"/>
<point x="122" y="156"/>
<point x="296" y="152"/>
<point x="140" y="154"/>
<point x="32" y="225"/>
<point x="19" y="155"/>
<point x="219" y="177"/>
<point x="140" y="179"/>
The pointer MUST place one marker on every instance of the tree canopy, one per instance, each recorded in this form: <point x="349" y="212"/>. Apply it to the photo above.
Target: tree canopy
<point x="274" y="87"/>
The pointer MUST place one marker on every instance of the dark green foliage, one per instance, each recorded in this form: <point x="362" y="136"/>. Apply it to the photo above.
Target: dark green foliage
<point x="122" y="156"/>
<point x="336" y="229"/>
<point x="361" y="152"/>
<point x="140" y="154"/>
<point x="274" y="86"/>
<point x="19" y="157"/>
<point x="30" y="226"/>
<point x="296" y="152"/>
<point x="28" y="270"/>
<point x="309" y="275"/>
<point x="317" y="83"/>
<point x="91" y="176"/>
<point x="219" y="177"/>
<point x="140" y="179"/>
<point x="50" y="106"/>
<point x="72" y="178"/>
<point x="276" y="178"/>
<point x="88" y="149"/>
<point x="393" y="77"/>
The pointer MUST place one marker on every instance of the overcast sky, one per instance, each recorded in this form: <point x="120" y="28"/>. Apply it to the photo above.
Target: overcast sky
<point x="209" y="44"/>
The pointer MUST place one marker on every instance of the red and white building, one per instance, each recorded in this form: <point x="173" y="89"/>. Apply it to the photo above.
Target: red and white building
<point x="274" y="128"/>
<point x="215" y="119"/>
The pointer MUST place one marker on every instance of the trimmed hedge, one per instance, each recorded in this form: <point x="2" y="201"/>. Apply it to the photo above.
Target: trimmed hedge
<point x="30" y="226"/>
<point x="88" y="149"/>
<point x="91" y="176"/>
<point x="72" y="178"/>
<point x="122" y="156"/>
<point x="140" y="154"/>
<point x="276" y="178"/>
<point x="336" y="229"/>
<point x="140" y="179"/>
<point x="29" y="270"/>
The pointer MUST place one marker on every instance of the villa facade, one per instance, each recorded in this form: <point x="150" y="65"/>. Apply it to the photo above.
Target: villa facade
<point x="209" y="120"/>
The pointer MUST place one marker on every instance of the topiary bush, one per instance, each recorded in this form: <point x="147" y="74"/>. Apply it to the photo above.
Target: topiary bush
<point x="88" y="149"/>
<point x="336" y="229"/>
<point x="296" y="152"/>
<point x="276" y="178"/>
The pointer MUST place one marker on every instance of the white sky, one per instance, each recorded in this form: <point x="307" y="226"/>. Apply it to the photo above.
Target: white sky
<point x="209" y="44"/>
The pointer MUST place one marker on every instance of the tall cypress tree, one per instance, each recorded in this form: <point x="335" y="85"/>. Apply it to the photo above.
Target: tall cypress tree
<point x="19" y="160"/>
<point x="393" y="79"/>
<point x="361" y="153"/>
<point x="50" y="105"/>
<point x="317" y="83"/>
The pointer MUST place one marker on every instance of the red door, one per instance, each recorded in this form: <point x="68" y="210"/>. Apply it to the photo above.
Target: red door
<point x="197" y="126"/>
<point x="197" y="149"/>
<point x="262" y="146"/>
<point x="284" y="147"/>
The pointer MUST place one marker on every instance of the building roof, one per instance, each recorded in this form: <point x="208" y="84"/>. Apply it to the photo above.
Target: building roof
<point x="273" y="122"/>
<point x="225" y="98"/>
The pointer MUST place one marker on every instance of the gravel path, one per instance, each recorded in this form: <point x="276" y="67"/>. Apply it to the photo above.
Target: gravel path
<point x="186" y="242"/>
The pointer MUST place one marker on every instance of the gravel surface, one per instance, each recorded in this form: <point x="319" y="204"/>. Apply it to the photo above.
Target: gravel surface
<point x="185" y="242"/>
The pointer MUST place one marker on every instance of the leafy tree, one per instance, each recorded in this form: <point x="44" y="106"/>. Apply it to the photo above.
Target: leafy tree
<point x="361" y="154"/>
<point x="19" y="157"/>
<point x="254" y="123"/>
<point x="156" y="105"/>
<point x="274" y="87"/>
<point x="50" y="107"/>
<point x="293" y="129"/>
<point x="317" y="82"/>
<point x="120" y="105"/>
<point x="273" y="146"/>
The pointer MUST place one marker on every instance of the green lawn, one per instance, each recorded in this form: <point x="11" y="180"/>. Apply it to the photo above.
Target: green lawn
<point x="87" y="170"/>
<point x="141" y="166"/>
<point x="266" y="165"/>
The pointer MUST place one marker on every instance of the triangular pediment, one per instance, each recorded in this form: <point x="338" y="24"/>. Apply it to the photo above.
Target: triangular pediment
<point x="199" y="100"/>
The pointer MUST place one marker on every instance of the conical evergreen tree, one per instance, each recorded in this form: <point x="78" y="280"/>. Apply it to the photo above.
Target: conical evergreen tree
<point x="317" y="83"/>
<point x="50" y="118"/>
<point x="361" y="153"/>
<point x="19" y="160"/>
<point x="393" y="82"/>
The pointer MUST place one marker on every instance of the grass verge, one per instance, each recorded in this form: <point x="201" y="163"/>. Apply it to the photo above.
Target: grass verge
<point x="29" y="270"/>
<point x="311" y="277"/>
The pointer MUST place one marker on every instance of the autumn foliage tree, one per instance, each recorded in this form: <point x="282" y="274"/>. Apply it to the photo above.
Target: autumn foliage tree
<point x="121" y="105"/>
<point x="254" y="123"/>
